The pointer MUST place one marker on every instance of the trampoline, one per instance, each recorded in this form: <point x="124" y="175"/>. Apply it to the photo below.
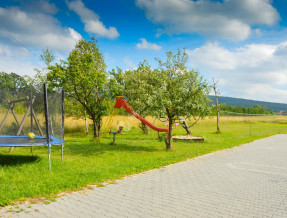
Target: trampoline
<point x="25" y="141"/>
<point x="24" y="110"/>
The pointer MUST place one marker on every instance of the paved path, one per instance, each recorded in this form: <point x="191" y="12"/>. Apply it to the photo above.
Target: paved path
<point x="246" y="181"/>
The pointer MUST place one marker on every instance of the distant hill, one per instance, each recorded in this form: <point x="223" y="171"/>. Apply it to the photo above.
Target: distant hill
<point x="276" y="107"/>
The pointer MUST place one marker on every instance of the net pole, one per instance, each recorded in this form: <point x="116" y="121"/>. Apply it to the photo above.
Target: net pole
<point x="31" y="116"/>
<point x="63" y="123"/>
<point x="47" y="123"/>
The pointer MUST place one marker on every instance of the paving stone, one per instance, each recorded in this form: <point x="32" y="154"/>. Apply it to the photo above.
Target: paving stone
<point x="246" y="181"/>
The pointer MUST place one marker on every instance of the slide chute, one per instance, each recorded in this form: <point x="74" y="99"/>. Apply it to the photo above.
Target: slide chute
<point x="122" y="103"/>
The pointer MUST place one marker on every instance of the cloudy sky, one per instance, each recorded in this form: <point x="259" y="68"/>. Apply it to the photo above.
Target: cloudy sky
<point x="241" y="43"/>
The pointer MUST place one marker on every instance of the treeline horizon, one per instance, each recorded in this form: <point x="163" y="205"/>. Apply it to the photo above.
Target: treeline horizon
<point x="231" y="101"/>
<point x="16" y="81"/>
<point x="230" y="104"/>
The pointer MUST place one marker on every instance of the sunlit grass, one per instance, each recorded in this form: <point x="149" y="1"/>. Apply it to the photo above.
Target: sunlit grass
<point x="88" y="161"/>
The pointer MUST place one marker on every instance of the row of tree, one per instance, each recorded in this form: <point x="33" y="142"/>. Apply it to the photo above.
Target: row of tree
<point x="256" y="109"/>
<point x="171" y="91"/>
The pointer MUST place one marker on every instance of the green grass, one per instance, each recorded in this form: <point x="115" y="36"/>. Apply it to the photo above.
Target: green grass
<point x="87" y="161"/>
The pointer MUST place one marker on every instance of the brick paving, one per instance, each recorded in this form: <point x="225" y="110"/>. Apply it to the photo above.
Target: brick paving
<point x="245" y="181"/>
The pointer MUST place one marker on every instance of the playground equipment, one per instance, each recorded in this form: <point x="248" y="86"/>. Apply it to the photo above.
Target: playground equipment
<point x="46" y="111"/>
<point x="122" y="103"/>
<point x="188" y="137"/>
<point x="115" y="133"/>
<point x="110" y="119"/>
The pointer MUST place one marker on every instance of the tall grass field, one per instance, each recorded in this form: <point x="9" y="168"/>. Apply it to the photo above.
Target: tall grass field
<point x="88" y="161"/>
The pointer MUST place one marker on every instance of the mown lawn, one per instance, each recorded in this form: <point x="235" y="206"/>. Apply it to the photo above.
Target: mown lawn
<point x="87" y="161"/>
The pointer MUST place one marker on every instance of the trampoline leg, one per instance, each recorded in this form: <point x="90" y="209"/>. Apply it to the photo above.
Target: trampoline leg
<point x="31" y="151"/>
<point x="49" y="154"/>
<point x="62" y="153"/>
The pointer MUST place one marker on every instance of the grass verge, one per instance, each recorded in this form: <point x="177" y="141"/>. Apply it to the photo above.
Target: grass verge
<point x="87" y="161"/>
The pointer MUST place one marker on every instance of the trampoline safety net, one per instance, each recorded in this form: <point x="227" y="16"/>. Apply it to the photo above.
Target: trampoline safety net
<point x="23" y="111"/>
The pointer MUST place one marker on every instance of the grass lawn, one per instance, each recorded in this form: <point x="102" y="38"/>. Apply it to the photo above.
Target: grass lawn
<point x="90" y="162"/>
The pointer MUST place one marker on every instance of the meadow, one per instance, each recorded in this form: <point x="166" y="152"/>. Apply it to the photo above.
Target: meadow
<point x="88" y="161"/>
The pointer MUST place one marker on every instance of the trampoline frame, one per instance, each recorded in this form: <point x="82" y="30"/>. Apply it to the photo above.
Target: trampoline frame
<point x="49" y="141"/>
<point x="54" y="141"/>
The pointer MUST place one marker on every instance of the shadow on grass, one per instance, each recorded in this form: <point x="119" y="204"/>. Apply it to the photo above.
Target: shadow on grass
<point x="13" y="160"/>
<point x="99" y="148"/>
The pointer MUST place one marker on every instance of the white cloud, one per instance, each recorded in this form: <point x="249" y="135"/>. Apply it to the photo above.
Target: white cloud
<point x="92" y="20"/>
<point x="229" y="19"/>
<point x="147" y="45"/>
<point x="26" y="30"/>
<point x="35" y="29"/>
<point x="39" y="6"/>
<point x="257" y="71"/>
<point x="16" y="59"/>
<point x="129" y="62"/>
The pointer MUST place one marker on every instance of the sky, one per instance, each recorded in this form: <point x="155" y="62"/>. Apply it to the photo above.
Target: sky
<point x="242" y="44"/>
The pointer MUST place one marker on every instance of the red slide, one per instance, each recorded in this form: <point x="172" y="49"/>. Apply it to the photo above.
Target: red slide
<point x="122" y="103"/>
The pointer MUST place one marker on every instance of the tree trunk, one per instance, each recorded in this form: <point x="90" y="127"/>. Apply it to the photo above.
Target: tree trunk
<point x="185" y="126"/>
<point x="216" y="93"/>
<point x="218" y="130"/>
<point x="86" y="122"/>
<point x="96" y="128"/>
<point x="168" y="141"/>
<point x="144" y="128"/>
<point x="217" y="110"/>
<point x="99" y="127"/>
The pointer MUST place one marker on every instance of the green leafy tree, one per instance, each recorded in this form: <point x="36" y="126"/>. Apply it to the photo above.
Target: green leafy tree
<point x="12" y="80"/>
<point x="255" y="109"/>
<point x="136" y="85"/>
<point x="85" y="80"/>
<point x="177" y="91"/>
<point x="40" y="77"/>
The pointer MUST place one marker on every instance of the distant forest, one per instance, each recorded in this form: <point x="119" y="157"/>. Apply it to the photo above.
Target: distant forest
<point x="276" y="107"/>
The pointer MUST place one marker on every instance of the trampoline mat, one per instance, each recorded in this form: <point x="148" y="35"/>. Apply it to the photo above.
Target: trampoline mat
<point x="12" y="140"/>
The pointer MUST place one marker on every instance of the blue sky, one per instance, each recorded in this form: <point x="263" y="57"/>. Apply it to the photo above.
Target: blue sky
<point x="241" y="43"/>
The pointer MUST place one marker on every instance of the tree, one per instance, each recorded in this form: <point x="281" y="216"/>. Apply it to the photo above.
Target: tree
<point x="137" y="84"/>
<point x="85" y="80"/>
<point x="40" y="78"/>
<point x="177" y="91"/>
<point x="47" y="56"/>
<point x="217" y="106"/>
<point x="187" y="127"/>
<point x="12" y="80"/>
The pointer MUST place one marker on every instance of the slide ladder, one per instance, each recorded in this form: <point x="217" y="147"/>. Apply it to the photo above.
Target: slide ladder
<point x="111" y="116"/>
<point x="122" y="103"/>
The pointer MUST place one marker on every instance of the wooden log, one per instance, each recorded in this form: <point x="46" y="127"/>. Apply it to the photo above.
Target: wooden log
<point x="14" y="114"/>
<point x="37" y="122"/>
<point x="3" y="121"/>
<point x="15" y="101"/>
<point x="187" y="138"/>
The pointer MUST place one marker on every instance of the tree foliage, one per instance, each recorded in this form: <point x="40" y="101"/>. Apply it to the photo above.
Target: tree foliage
<point x="12" y="80"/>
<point x="136" y="85"/>
<point x="85" y="80"/>
<point x="9" y="82"/>
<point x="177" y="91"/>
<point x="37" y="81"/>
<point x="255" y="109"/>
